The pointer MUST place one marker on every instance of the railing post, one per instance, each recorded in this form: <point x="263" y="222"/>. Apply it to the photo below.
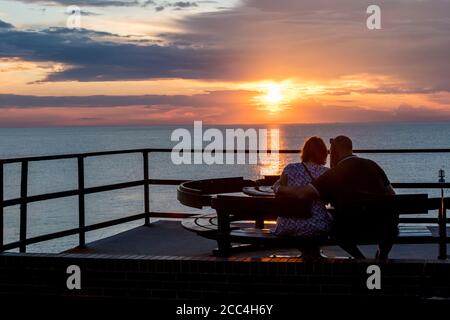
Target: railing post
<point x="223" y="228"/>
<point x="259" y="223"/>
<point x="442" y="231"/>
<point x="2" y="197"/>
<point x="442" y="221"/>
<point x="146" y="189"/>
<point x="81" y="203"/>
<point x="23" y="206"/>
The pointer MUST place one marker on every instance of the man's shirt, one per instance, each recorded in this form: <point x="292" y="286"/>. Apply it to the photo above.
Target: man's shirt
<point x="350" y="179"/>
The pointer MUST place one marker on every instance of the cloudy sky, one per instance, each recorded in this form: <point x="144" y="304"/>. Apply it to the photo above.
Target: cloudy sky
<point x="142" y="62"/>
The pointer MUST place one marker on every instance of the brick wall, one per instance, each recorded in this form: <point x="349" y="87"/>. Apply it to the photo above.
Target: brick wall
<point x="217" y="279"/>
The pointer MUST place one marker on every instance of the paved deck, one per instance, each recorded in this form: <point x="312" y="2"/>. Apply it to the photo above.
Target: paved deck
<point x="168" y="238"/>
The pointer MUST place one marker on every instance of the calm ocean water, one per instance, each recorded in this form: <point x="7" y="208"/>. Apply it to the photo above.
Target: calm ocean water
<point x="51" y="176"/>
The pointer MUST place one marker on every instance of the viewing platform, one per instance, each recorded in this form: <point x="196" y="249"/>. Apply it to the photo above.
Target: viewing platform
<point x="169" y="238"/>
<point x="161" y="260"/>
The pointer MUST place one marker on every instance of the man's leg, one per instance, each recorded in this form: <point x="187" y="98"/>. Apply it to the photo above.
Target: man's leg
<point x="383" y="250"/>
<point x="387" y="240"/>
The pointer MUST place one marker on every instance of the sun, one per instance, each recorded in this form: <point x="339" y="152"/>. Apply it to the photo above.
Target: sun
<point x="274" y="94"/>
<point x="274" y="97"/>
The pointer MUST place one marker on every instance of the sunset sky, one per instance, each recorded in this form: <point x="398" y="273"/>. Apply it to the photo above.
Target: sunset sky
<point x="140" y="62"/>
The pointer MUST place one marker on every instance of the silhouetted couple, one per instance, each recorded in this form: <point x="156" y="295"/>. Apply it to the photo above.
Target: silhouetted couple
<point x="350" y="178"/>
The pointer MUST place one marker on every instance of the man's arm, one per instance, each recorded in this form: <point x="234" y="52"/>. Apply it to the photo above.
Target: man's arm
<point x="390" y="190"/>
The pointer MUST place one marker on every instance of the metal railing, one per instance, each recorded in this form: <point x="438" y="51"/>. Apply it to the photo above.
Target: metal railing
<point x="82" y="191"/>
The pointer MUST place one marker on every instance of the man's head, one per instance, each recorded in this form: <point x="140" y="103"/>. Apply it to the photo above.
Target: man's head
<point x="341" y="147"/>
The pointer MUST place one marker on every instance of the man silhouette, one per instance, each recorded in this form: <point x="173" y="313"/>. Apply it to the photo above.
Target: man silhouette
<point x="350" y="178"/>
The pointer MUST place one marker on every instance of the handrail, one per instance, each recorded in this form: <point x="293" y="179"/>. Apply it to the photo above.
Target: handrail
<point x="82" y="190"/>
<point x="167" y="182"/>
<point x="166" y="150"/>
<point x="90" y="190"/>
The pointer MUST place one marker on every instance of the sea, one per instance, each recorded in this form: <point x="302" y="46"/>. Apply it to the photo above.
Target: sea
<point x="59" y="175"/>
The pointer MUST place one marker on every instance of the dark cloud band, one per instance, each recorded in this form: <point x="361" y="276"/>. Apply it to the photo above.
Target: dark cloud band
<point x="103" y="101"/>
<point x="92" y="59"/>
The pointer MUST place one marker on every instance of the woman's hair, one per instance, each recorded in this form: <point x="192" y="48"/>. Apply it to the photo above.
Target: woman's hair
<point x="314" y="150"/>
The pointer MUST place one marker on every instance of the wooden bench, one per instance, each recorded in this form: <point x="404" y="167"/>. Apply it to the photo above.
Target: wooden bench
<point x="231" y="226"/>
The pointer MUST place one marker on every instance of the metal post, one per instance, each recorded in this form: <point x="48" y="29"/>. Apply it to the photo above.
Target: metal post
<point x="1" y="206"/>
<point x="259" y="223"/>
<point x="146" y="189"/>
<point x="23" y="206"/>
<point x="81" y="203"/>
<point x="442" y="221"/>
<point x="223" y="236"/>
